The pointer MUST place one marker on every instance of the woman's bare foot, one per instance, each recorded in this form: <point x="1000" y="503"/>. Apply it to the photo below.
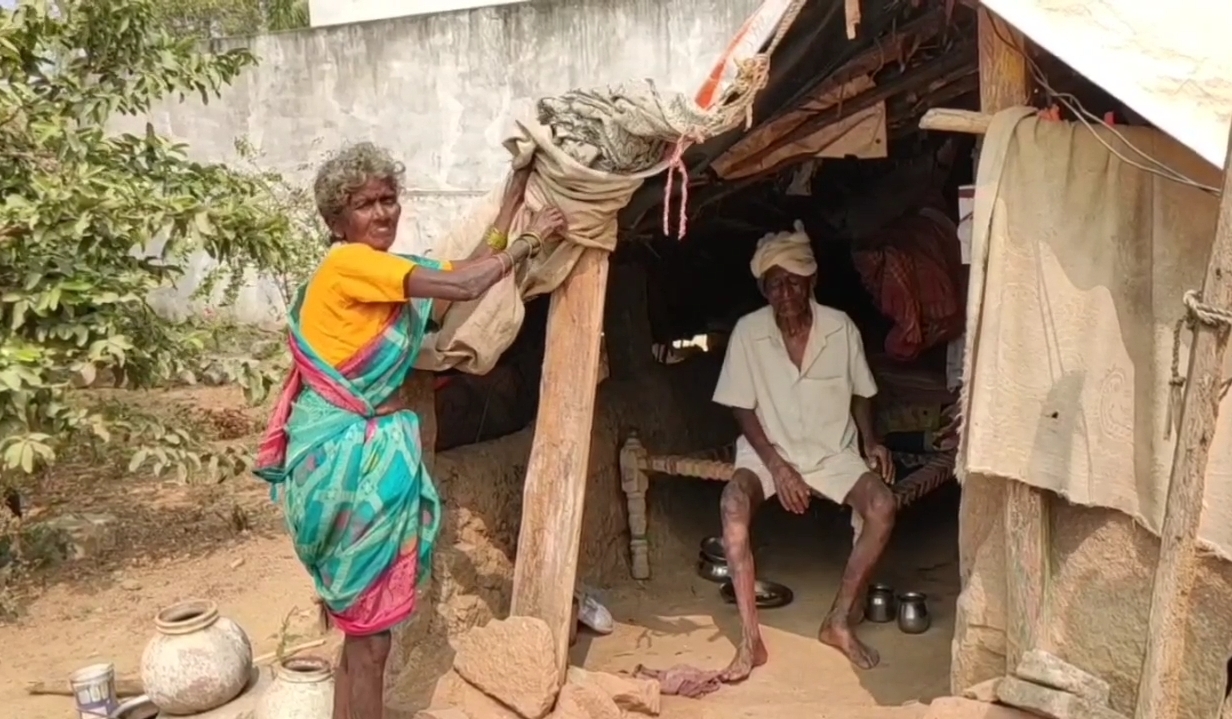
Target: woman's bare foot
<point x="748" y="657"/>
<point x="838" y="634"/>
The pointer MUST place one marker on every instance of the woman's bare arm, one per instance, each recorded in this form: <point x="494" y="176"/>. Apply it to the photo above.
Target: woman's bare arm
<point x="469" y="281"/>
<point x="504" y="217"/>
<point x="457" y="285"/>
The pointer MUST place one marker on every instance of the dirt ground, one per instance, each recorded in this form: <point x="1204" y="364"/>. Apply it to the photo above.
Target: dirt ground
<point x="225" y="543"/>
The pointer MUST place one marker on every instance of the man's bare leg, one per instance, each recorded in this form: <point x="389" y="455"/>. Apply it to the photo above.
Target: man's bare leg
<point x="875" y="503"/>
<point x="742" y="495"/>
<point x="364" y="658"/>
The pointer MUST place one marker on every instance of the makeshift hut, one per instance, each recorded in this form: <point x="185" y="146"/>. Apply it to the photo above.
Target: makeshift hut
<point x="1051" y="324"/>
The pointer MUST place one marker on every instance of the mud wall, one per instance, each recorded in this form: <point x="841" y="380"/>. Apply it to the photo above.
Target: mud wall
<point x="481" y="485"/>
<point x="1103" y="565"/>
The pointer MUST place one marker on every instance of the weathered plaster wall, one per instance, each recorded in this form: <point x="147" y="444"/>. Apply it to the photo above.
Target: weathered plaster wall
<point x="1103" y="565"/>
<point x="339" y="12"/>
<point x="440" y="91"/>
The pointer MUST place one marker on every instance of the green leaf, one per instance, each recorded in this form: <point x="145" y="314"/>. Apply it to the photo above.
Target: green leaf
<point x="138" y="459"/>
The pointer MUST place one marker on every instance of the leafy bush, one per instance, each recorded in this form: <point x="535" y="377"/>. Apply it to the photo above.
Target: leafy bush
<point x="91" y="222"/>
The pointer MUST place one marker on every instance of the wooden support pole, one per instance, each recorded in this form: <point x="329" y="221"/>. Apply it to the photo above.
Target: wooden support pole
<point x="555" y="492"/>
<point x="964" y="121"/>
<point x="1005" y="82"/>
<point x="1160" y="689"/>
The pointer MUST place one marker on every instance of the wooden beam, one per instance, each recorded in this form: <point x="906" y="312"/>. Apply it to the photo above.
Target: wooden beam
<point x="552" y="501"/>
<point x="965" y="121"/>
<point x="1160" y="689"/>
<point x="1005" y="82"/>
<point x="951" y="65"/>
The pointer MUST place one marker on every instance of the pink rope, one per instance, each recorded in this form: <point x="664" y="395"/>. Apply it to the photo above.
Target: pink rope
<point x="676" y="165"/>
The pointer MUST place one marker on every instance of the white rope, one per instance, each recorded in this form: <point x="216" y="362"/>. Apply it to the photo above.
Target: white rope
<point x="1195" y="311"/>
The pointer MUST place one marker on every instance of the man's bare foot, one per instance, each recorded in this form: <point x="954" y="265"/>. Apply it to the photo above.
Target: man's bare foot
<point x="838" y="634"/>
<point x="856" y="617"/>
<point x="747" y="658"/>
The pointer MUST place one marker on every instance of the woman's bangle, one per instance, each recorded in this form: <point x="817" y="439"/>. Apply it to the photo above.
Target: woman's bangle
<point x="533" y="240"/>
<point x="496" y="239"/>
<point x="502" y="256"/>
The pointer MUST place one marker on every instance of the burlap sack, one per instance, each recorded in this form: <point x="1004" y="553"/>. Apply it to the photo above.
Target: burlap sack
<point x="473" y="334"/>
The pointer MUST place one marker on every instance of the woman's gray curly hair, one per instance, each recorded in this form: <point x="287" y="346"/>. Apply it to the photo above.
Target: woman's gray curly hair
<point x="350" y="169"/>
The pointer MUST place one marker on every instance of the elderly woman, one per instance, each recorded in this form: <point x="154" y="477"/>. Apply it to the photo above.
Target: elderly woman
<point x="341" y="450"/>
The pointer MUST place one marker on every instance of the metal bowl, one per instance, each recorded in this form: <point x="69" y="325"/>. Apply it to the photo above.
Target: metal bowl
<point x="711" y="571"/>
<point x="136" y="708"/>
<point x="770" y="595"/>
<point x="712" y="550"/>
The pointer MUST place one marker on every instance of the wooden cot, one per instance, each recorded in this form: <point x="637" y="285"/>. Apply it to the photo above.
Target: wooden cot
<point x="636" y="465"/>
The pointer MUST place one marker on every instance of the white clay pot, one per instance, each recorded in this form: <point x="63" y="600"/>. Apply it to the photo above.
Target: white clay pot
<point x="303" y="688"/>
<point x="197" y="661"/>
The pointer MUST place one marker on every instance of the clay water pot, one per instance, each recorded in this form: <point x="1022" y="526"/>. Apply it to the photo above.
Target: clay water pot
<point x="197" y="661"/>
<point x="303" y="688"/>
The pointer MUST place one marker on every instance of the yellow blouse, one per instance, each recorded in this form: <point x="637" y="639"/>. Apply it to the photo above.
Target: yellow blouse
<point x="350" y="299"/>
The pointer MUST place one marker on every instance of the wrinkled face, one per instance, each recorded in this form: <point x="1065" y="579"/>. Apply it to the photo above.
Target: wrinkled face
<point x="787" y="293"/>
<point x="371" y="215"/>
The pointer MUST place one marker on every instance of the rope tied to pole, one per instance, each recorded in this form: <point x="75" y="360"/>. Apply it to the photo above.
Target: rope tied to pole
<point x="1196" y="312"/>
<point x="736" y="105"/>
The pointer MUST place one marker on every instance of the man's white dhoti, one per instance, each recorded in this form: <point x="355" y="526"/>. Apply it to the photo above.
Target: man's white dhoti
<point x="832" y="479"/>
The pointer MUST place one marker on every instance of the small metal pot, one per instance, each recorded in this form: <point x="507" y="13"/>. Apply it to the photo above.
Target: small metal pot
<point x="712" y="550"/>
<point x="880" y="606"/>
<point x="712" y="571"/>
<point x="913" y="613"/>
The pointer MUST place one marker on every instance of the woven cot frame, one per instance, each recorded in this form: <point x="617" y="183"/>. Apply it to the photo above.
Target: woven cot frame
<point x="636" y="465"/>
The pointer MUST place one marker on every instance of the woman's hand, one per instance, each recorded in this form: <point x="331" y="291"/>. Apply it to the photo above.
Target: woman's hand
<point x="515" y="188"/>
<point x="547" y="222"/>
<point x="515" y="191"/>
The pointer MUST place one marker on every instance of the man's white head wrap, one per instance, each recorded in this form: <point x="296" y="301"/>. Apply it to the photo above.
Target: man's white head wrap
<point x="789" y="250"/>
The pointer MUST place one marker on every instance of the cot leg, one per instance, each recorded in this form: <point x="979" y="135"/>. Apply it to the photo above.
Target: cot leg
<point x="634" y="482"/>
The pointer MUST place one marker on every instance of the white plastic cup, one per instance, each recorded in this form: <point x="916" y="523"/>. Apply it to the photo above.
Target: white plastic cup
<point x="94" y="689"/>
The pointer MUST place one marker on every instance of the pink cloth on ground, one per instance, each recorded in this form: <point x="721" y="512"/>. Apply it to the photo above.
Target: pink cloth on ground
<point x="682" y="680"/>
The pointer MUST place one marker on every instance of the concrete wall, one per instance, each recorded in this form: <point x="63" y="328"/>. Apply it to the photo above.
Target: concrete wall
<point x="1103" y="565"/>
<point x="339" y="12"/>
<point x="440" y="91"/>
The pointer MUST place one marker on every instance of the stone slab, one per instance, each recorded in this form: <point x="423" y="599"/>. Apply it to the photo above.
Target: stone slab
<point x="1051" y="703"/>
<point x="1042" y="668"/>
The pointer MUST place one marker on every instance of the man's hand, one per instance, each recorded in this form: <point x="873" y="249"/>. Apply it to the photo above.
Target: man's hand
<point x="789" y="485"/>
<point x="879" y="461"/>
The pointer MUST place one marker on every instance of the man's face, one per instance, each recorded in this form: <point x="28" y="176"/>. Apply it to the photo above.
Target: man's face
<point x="788" y="294"/>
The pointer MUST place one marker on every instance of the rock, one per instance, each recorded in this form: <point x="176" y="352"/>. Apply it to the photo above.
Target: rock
<point x="958" y="708"/>
<point x="130" y="585"/>
<point x="453" y="692"/>
<point x="215" y="375"/>
<point x="84" y="535"/>
<point x="585" y="701"/>
<point x="187" y="377"/>
<point x="513" y="661"/>
<point x="1043" y="668"/>
<point x="450" y="713"/>
<point x="1049" y="702"/>
<point x="629" y="693"/>
<point x="983" y="692"/>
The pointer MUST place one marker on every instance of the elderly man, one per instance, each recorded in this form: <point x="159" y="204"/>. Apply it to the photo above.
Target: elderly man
<point x="796" y="378"/>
